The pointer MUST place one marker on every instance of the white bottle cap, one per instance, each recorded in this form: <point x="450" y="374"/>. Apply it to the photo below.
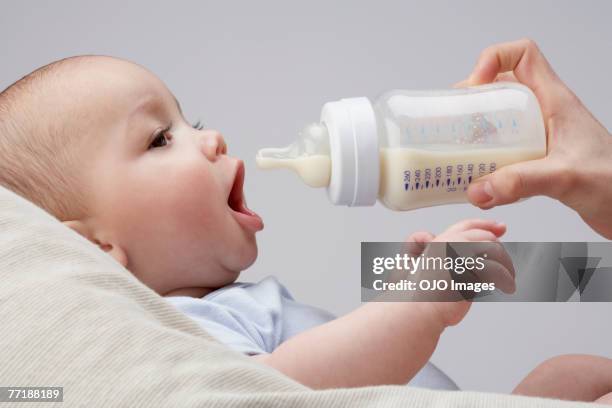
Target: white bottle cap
<point x="353" y="141"/>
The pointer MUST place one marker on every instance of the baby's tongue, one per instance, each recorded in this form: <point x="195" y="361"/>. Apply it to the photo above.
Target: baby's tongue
<point x="245" y="208"/>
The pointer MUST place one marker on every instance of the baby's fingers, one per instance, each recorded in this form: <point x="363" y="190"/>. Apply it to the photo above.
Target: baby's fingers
<point x="498" y="273"/>
<point x="495" y="264"/>
<point x="417" y="241"/>
<point x="478" y="235"/>
<point x="421" y="236"/>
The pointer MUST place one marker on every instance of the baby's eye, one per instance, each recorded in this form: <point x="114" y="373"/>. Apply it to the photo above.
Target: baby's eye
<point x="198" y="125"/>
<point x="161" y="139"/>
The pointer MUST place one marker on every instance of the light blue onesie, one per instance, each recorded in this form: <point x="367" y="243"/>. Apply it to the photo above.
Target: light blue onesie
<point x="255" y="318"/>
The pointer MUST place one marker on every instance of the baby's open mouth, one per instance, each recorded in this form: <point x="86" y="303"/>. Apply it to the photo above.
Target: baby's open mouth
<point x="236" y="196"/>
<point x="236" y="202"/>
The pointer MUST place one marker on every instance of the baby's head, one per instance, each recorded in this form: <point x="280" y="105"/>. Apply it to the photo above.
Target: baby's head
<point x="101" y="144"/>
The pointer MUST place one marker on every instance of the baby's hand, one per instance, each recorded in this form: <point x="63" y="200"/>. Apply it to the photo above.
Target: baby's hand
<point x="498" y="269"/>
<point x="464" y="231"/>
<point x="472" y="230"/>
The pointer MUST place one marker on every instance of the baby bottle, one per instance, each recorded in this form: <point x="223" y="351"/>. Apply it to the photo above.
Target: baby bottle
<point x="414" y="149"/>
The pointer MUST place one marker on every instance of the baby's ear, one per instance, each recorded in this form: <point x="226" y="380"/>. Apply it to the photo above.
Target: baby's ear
<point x="84" y="230"/>
<point x="81" y="228"/>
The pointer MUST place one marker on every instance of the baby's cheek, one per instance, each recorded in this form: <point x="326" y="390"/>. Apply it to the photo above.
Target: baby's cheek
<point x="174" y="198"/>
<point x="192" y="196"/>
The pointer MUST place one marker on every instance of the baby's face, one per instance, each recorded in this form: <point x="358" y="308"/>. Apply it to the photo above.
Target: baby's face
<point x="166" y="197"/>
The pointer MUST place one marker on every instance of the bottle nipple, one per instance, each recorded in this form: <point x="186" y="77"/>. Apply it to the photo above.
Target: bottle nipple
<point x="308" y="156"/>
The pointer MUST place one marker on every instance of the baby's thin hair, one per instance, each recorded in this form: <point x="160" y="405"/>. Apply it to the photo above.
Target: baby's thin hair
<point x="38" y="157"/>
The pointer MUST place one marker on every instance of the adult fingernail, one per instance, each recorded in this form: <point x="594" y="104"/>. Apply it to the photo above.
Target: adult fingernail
<point x="482" y="192"/>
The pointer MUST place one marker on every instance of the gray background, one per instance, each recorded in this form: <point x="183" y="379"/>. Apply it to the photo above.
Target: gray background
<point x="259" y="71"/>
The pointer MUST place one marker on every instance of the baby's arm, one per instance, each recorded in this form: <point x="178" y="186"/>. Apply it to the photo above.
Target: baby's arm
<point x="379" y="343"/>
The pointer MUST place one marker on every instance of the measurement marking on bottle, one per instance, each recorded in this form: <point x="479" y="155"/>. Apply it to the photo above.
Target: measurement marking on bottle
<point x="458" y="177"/>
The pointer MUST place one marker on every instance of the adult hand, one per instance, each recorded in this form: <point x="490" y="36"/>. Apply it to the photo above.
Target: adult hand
<point x="578" y="167"/>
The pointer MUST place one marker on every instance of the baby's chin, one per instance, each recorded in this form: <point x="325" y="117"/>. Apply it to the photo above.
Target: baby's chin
<point x="246" y="257"/>
<point x="245" y="245"/>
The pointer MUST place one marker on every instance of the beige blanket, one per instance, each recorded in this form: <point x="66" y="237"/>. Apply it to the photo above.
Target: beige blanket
<point x="73" y="317"/>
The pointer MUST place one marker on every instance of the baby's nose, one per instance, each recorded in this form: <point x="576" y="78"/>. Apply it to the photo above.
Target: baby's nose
<point x="213" y="144"/>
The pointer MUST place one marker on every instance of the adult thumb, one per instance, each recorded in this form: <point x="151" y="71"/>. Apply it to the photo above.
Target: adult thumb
<point x="511" y="183"/>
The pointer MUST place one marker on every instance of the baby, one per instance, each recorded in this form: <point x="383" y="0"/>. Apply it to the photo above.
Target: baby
<point x="102" y="144"/>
